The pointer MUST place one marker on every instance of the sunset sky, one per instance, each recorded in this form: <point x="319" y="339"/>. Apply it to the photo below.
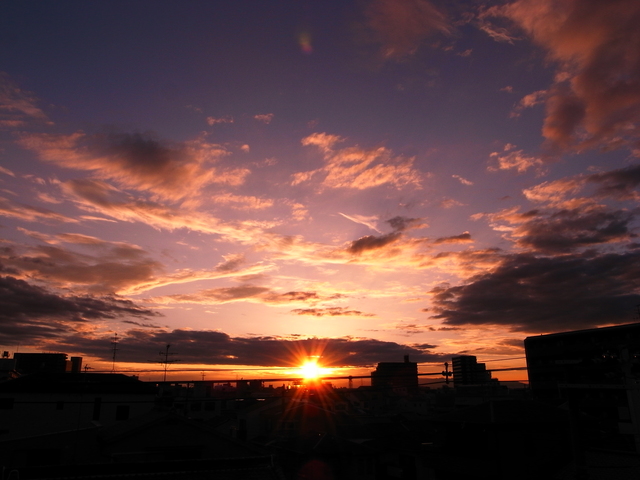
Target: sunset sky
<point x="255" y="182"/>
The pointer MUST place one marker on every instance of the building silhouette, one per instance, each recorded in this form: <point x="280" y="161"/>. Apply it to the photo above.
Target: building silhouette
<point x="399" y="377"/>
<point x="596" y="372"/>
<point x="467" y="371"/>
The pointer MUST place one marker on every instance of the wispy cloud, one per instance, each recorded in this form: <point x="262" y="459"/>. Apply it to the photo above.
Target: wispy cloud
<point x="247" y="293"/>
<point x="462" y="180"/>
<point x="357" y="168"/>
<point x="18" y="107"/>
<point x="331" y="312"/>
<point x="367" y="221"/>
<point x="31" y="213"/>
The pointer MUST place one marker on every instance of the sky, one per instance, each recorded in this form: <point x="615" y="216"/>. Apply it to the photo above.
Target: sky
<point x="258" y="182"/>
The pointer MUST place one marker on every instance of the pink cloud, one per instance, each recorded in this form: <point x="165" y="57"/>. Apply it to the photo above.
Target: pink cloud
<point x="595" y="101"/>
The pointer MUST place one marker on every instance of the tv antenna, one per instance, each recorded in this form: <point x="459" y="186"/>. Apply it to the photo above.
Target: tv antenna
<point x="166" y="361"/>
<point x="115" y="348"/>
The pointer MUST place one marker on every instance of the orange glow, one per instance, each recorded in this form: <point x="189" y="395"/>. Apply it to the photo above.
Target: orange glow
<point x="310" y="370"/>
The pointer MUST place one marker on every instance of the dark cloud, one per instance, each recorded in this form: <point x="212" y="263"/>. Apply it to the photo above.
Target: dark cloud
<point x="113" y="268"/>
<point x="567" y="230"/>
<point x="231" y="263"/>
<point x="140" y="324"/>
<point x="217" y="348"/>
<point x="544" y="294"/>
<point x="372" y="242"/>
<point x="462" y="238"/>
<point x="32" y="313"/>
<point x="399" y="223"/>
<point x="140" y="152"/>
<point x="620" y="184"/>
<point x="331" y="312"/>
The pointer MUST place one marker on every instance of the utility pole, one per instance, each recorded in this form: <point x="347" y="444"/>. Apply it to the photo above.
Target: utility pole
<point x="165" y="360"/>
<point x="115" y="349"/>
<point x="446" y="373"/>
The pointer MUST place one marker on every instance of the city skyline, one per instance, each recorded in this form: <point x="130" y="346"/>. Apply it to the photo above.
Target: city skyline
<point x="257" y="183"/>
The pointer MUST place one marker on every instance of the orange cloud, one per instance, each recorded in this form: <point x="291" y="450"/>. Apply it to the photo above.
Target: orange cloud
<point x="513" y="159"/>
<point x="357" y="168"/>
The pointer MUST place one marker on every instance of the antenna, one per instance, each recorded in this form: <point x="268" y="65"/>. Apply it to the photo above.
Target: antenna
<point x="114" y="342"/>
<point x="165" y="360"/>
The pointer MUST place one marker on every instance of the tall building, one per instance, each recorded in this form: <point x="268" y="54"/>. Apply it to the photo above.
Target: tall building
<point x="597" y="373"/>
<point x="467" y="371"/>
<point x="400" y="377"/>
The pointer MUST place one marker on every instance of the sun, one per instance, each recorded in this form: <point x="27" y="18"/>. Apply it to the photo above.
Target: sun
<point x="310" y="370"/>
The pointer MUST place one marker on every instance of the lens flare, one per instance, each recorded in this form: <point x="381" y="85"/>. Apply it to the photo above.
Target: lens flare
<point x="310" y="370"/>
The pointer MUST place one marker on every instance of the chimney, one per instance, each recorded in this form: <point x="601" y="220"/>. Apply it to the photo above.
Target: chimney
<point x="406" y="359"/>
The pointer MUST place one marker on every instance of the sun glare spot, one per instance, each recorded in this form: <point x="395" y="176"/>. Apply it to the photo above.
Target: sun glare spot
<point x="310" y="370"/>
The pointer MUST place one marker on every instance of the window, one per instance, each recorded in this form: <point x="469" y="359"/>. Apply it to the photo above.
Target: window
<point x="59" y="405"/>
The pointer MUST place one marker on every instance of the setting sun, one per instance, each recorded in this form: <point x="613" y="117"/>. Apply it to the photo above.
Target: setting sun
<point x="310" y="370"/>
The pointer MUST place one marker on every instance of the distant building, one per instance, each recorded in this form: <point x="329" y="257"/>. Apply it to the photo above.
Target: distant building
<point x="40" y="362"/>
<point x="45" y="402"/>
<point x="399" y="377"/>
<point x="467" y="371"/>
<point x="595" y="371"/>
<point x="26" y="363"/>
